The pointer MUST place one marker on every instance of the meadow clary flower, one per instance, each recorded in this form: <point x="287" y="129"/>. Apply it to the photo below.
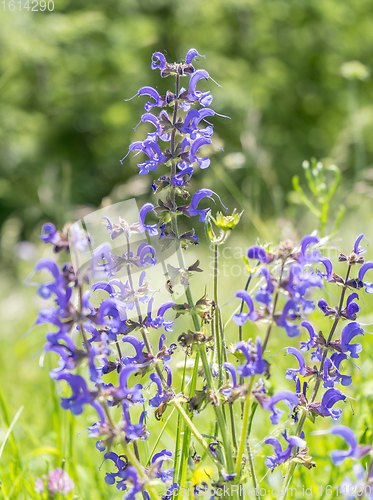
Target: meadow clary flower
<point x="306" y="346"/>
<point x="138" y="346"/>
<point x="364" y="268"/>
<point x="49" y="233"/>
<point x="264" y="294"/>
<point x="258" y="252"/>
<point x="255" y="364"/>
<point x="332" y="364"/>
<point x="325" y="308"/>
<point x="133" y="431"/>
<point x="197" y="197"/>
<point x="156" y="467"/>
<point x="357" y="248"/>
<point x="355" y="451"/>
<point x="81" y="394"/>
<point x="303" y="370"/>
<point x="348" y="333"/>
<point x="159" y="320"/>
<point x="328" y="275"/>
<point x="329" y="399"/>
<point x="241" y="318"/>
<point x="283" y="321"/>
<point x="152" y="229"/>
<point x="126" y="475"/>
<point x="281" y="455"/>
<point x="352" y="308"/>
<point x="161" y="396"/>
<point x="134" y="393"/>
<point x="232" y="371"/>
<point x="269" y="403"/>
<point x="151" y="92"/>
<point x="308" y="258"/>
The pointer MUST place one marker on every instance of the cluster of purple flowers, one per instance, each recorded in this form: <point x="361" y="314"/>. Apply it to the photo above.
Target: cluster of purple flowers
<point x="288" y="275"/>
<point x="106" y="329"/>
<point x="105" y="324"/>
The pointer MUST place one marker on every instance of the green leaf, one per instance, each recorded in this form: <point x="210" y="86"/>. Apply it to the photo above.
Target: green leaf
<point x="305" y="200"/>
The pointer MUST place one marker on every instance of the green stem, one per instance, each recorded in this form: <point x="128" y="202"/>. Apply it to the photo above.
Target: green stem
<point x="254" y="406"/>
<point x="219" y="414"/>
<point x="245" y="426"/>
<point x="201" y="440"/>
<point x="187" y="431"/>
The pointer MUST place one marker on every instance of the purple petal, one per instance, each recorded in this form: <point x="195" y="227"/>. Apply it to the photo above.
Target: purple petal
<point x="364" y="268"/>
<point x="232" y="371"/>
<point x="306" y="241"/>
<point x="158" y="61"/>
<point x="339" y="456"/>
<point x="191" y="54"/>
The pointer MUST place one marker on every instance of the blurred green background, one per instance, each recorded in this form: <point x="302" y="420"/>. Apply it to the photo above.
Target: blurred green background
<point x="64" y="127"/>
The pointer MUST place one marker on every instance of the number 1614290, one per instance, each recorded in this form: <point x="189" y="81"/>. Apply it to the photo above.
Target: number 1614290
<point x="32" y="5"/>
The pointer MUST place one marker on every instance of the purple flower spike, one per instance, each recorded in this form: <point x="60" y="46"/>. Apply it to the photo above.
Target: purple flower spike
<point x="348" y="333"/>
<point x="152" y="230"/>
<point x="241" y="318"/>
<point x="355" y="451"/>
<point x="258" y="252"/>
<point x="282" y="455"/>
<point x="291" y="373"/>
<point x="197" y="197"/>
<point x="357" y="248"/>
<point x="288" y="397"/>
<point x="192" y="54"/>
<point x="364" y="268"/>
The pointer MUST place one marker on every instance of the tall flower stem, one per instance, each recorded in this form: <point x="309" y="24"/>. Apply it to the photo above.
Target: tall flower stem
<point x="219" y="414"/>
<point x="196" y="322"/>
<point x="220" y="340"/>
<point x="245" y="426"/>
<point x="201" y="440"/>
<point x="316" y="388"/>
